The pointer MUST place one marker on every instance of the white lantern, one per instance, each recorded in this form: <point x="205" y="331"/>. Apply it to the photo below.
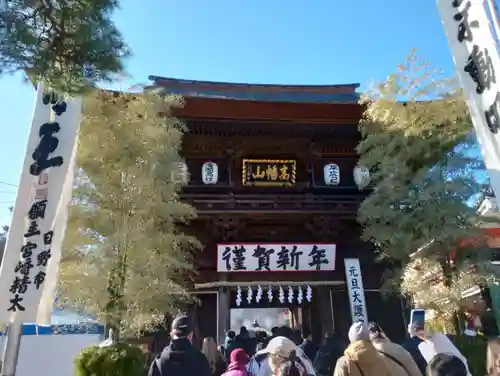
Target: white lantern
<point x="331" y="174"/>
<point x="361" y="176"/>
<point x="210" y="173"/>
<point x="182" y="173"/>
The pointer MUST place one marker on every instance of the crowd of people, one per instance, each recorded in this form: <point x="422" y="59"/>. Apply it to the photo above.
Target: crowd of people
<point x="285" y="352"/>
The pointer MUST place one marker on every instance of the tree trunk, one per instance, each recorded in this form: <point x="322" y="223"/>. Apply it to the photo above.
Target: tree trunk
<point x="112" y="307"/>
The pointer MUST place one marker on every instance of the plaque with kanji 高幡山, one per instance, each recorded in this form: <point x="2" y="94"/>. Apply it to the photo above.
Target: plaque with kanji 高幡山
<point x="268" y="172"/>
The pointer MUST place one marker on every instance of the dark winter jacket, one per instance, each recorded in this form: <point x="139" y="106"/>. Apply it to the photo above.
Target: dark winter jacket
<point x="180" y="358"/>
<point x="327" y="356"/>
<point x="411" y="345"/>
<point x="231" y="344"/>
<point x="309" y="348"/>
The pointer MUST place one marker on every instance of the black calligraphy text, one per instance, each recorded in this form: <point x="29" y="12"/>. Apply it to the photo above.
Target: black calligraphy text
<point x="465" y="26"/>
<point x="480" y="68"/>
<point x="263" y="256"/>
<point x="42" y="156"/>
<point x="318" y="257"/>
<point x="235" y="258"/>
<point x="492" y="115"/>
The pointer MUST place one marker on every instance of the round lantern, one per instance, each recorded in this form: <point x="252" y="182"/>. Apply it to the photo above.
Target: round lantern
<point x="182" y="173"/>
<point x="210" y="173"/>
<point x="331" y="174"/>
<point x="361" y="176"/>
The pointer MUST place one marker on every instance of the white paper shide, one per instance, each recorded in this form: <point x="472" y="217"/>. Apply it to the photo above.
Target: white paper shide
<point x="267" y="257"/>
<point x="476" y="60"/>
<point x="28" y="273"/>
<point x="356" y="291"/>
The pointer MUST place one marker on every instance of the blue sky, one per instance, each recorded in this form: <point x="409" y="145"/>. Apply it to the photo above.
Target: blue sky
<point x="256" y="41"/>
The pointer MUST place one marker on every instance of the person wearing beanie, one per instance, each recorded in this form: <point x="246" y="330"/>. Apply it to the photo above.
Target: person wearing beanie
<point x="358" y="332"/>
<point x="180" y="357"/>
<point x="361" y="358"/>
<point x="238" y="363"/>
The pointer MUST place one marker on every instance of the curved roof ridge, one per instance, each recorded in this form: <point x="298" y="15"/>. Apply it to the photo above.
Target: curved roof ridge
<point x="170" y="80"/>
<point x="342" y="93"/>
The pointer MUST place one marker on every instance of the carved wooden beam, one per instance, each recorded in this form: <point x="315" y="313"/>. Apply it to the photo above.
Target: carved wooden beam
<point x="225" y="228"/>
<point x="325" y="227"/>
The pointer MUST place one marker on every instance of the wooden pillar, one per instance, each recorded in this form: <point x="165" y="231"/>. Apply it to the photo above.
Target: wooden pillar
<point x="223" y="313"/>
<point x="323" y="304"/>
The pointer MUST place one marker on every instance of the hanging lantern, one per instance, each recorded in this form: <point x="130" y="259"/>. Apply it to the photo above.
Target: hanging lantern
<point x="331" y="174"/>
<point x="238" y="296"/>
<point x="281" y="295"/>
<point x="270" y="294"/>
<point x="361" y="176"/>
<point x="290" y="294"/>
<point x="210" y="173"/>
<point x="182" y="173"/>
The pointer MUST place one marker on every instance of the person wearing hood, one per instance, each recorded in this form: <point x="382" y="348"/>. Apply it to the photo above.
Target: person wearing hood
<point x="260" y="363"/>
<point x="399" y="361"/>
<point x="180" y="358"/>
<point x="238" y="361"/>
<point x="361" y="358"/>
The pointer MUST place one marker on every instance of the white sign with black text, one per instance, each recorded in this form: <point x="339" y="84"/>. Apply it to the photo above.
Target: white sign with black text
<point x="270" y="257"/>
<point x="31" y="259"/>
<point x="477" y="63"/>
<point x="355" y="290"/>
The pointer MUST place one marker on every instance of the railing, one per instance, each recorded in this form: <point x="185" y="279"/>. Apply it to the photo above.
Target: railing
<point x="291" y="203"/>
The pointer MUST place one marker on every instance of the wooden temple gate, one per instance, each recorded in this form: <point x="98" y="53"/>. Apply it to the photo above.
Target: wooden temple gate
<point x="273" y="165"/>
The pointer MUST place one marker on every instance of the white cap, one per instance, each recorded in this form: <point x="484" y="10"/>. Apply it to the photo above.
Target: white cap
<point x="281" y="346"/>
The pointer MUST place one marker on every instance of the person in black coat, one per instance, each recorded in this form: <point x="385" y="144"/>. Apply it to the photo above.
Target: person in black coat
<point x="416" y="329"/>
<point x="180" y="357"/>
<point x="230" y="343"/>
<point x="328" y="353"/>
<point x="307" y="345"/>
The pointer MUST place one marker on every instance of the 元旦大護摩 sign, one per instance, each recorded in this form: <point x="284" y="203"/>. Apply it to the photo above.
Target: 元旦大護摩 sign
<point x="355" y="289"/>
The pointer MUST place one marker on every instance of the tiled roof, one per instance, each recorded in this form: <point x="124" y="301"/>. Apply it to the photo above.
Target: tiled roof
<point x="344" y="93"/>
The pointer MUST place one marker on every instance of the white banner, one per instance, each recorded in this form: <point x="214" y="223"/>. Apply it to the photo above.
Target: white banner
<point x="31" y="259"/>
<point x="355" y="290"/>
<point x="476" y="60"/>
<point x="262" y="257"/>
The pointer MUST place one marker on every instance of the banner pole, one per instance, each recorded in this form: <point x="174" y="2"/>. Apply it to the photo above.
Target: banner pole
<point x="11" y="351"/>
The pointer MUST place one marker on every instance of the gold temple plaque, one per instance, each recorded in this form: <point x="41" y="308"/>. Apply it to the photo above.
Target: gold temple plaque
<point x="269" y="172"/>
